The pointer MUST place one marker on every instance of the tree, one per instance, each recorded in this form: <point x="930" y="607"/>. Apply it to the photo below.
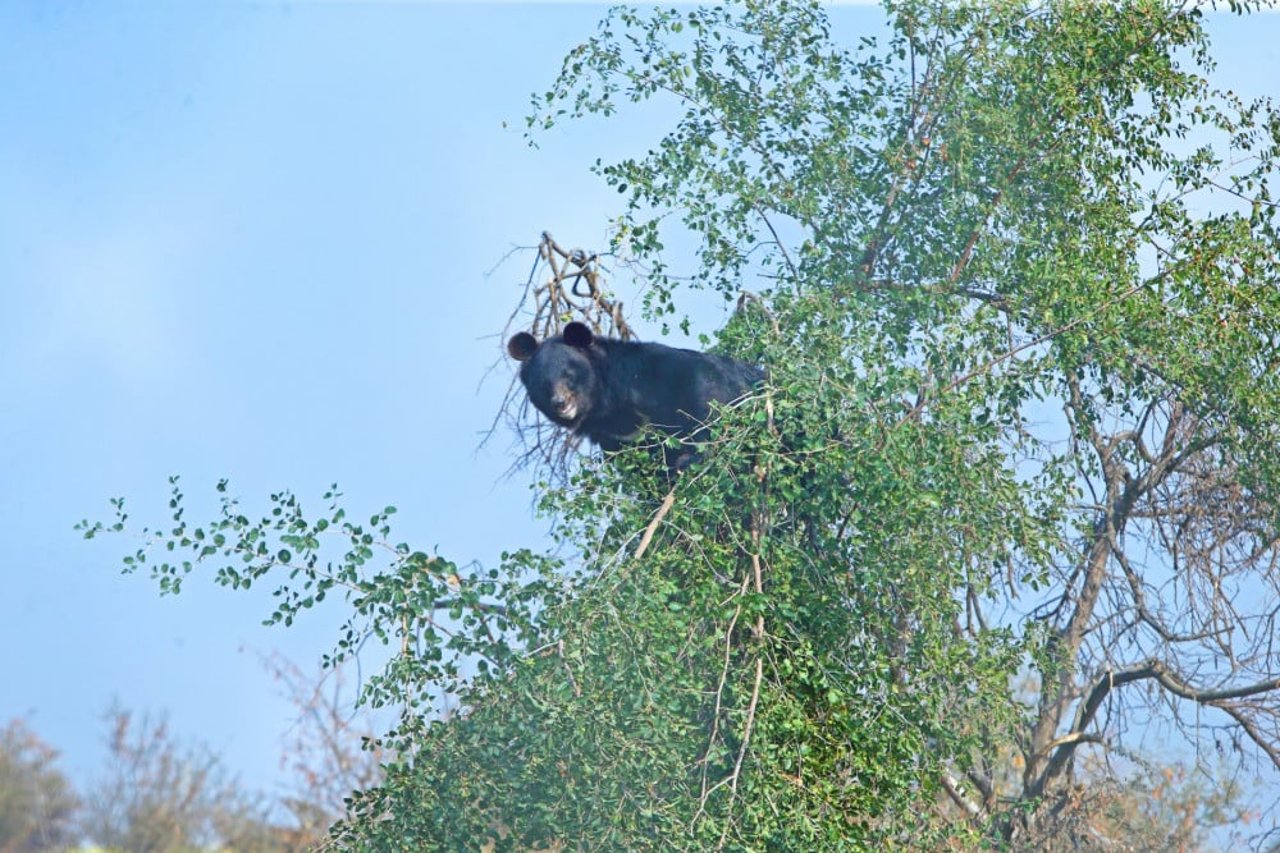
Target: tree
<point x="37" y="805"/>
<point x="159" y="796"/>
<point x="331" y="751"/>
<point x="1014" y="269"/>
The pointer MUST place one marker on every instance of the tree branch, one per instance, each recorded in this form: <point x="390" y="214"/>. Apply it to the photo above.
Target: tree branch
<point x="1163" y="675"/>
<point x="968" y="806"/>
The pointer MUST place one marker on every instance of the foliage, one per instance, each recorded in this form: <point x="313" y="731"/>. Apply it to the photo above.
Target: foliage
<point x="37" y="803"/>
<point x="159" y="796"/>
<point x="1152" y="808"/>
<point x="1017" y="268"/>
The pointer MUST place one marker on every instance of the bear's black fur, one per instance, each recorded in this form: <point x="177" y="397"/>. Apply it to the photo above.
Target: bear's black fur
<point x="608" y="390"/>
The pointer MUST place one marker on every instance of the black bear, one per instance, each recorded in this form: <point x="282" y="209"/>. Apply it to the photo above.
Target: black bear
<point x="608" y="389"/>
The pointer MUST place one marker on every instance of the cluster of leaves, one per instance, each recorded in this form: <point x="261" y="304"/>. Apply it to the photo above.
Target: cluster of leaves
<point x="445" y="624"/>
<point x="1022" y="331"/>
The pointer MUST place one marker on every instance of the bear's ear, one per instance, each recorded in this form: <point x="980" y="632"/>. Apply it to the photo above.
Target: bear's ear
<point x="521" y="346"/>
<point x="578" y="335"/>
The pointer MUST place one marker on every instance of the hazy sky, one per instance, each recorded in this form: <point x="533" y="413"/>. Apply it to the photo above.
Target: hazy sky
<point x="254" y="241"/>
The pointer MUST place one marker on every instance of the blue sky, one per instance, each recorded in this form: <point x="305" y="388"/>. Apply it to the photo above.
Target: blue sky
<point x="258" y="241"/>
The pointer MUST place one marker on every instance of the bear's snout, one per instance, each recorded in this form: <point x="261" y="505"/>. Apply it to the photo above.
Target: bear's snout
<point x="564" y="401"/>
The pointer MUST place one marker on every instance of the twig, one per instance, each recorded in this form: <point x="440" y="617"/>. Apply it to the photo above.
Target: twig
<point x="653" y="525"/>
<point x="757" y="576"/>
<point x="1047" y="336"/>
<point x="715" y="715"/>
<point x="746" y="740"/>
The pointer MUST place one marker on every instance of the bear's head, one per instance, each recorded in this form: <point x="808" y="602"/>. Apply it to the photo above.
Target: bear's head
<point x="560" y="374"/>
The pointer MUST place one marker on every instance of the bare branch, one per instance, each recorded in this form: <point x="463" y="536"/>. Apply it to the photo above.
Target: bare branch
<point x="1159" y="671"/>
<point x="952" y="786"/>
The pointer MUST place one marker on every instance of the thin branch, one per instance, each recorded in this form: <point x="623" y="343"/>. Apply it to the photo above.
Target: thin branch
<point x="667" y="502"/>
<point x="1158" y="670"/>
<point x="746" y="741"/>
<point x="715" y="714"/>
